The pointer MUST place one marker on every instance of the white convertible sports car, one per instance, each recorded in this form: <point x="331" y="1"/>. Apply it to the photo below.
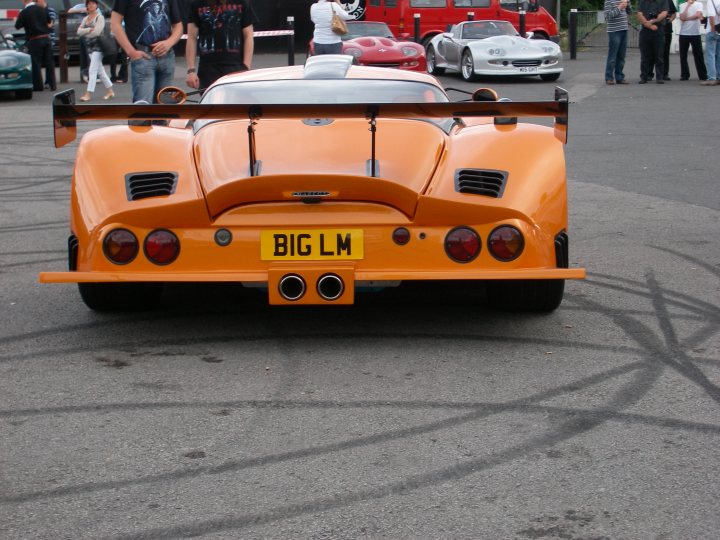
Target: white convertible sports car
<point x="492" y="48"/>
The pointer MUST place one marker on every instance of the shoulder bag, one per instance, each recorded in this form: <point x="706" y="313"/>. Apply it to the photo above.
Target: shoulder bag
<point x="337" y="25"/>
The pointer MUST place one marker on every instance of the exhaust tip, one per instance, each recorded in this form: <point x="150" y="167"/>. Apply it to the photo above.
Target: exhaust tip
<point x="291" y="287"/>
<point x="330" y="287"/>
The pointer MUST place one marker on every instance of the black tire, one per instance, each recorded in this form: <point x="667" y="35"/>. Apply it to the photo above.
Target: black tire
<point x="550" y="76"/>
<point x="121" y="296"/>
<point x="534" y="295"/>
<point x="539" y="35"/>
<point x="24" y="94"/>
<point x="431" y="58"/>
<point x="467" y="66"/>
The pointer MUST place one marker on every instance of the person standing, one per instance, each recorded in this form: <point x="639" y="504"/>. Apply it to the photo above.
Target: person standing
<point x="325" y="41"/>
<point x="651" y="14"/>
<point x="690" y="16"/>
<point x="712" y="44"/>
<point x="671" y="14"/>
<point x="91" y="28"/>
<point x="51" y="28"/>
<point x="35" y="19"/>
<point x="151" y="30"/>
<point x="220" y="32"/>
<point x="616" y="16"/>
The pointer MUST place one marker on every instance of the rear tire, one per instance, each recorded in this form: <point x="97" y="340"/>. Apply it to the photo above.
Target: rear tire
<point x="533" y="295"/>
<point x="550" y="76"/>
<point x="467" y="66"/>
<point x="431" y="59"/>
<point x="120" y="296"/>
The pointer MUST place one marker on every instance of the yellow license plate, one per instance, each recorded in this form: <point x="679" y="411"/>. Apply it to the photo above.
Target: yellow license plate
<point x="311" y="245"/>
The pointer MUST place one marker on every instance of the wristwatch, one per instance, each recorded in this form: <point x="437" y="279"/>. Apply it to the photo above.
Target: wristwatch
<point x="191" y="70"/>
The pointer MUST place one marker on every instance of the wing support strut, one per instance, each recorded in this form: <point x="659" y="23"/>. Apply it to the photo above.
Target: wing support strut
<point x="372" y="121"/>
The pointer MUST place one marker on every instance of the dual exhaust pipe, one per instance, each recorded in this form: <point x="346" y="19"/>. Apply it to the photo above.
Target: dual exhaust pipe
<point x="329" y="287"/>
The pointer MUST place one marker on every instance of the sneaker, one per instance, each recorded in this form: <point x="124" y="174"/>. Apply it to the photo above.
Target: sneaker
<point x="660" y="81"/>
<point x="622" y="82"/>
<point x="642" y="81"/>
<point x="666" y="78"/>
<point x="609" y="81"/>
<point x="710" y="83"/>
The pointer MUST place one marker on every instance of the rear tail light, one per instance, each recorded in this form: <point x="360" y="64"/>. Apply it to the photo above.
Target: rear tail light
<point x="162" y="246"/>
<point x="120" y="246"/>
<point x="506" y="243"/>
<point x="462" y="244"/>
<point x="401" y="236"/>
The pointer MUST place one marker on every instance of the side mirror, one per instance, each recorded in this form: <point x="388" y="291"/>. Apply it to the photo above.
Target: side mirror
<point x="171" y="95"/>
<point x="447" y="35"/>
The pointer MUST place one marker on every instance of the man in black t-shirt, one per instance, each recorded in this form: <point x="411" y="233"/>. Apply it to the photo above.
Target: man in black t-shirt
<point x="36" y="21"/>
<point x="151" y="30"/>
<point x="220" y="32"/>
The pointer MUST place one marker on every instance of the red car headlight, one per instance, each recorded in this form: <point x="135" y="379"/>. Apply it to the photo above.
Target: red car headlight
<point x="462" y="244"/>
<point x="409" y="51"/>
<point x="506" y="243"/>
<point x="120" y="246"/>
<point x="162" y="247"/>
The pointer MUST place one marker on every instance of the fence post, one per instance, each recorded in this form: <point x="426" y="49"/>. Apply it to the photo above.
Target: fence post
<point x="522" y="23"/>
<point x="572" y="33"/>
<point x="62" y="53"/>
<point x="291" y="41"/>
<point x="417" y="28"/>
<point x="471" y="16"/>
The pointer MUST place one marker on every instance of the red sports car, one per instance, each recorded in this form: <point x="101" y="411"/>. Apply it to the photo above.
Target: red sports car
<point x="373" y="44"/>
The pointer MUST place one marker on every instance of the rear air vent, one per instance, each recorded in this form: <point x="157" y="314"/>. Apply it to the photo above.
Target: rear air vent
<point x="562" y="259"/>
<point x="480" y="182"/>
<point x="149" y="184"/>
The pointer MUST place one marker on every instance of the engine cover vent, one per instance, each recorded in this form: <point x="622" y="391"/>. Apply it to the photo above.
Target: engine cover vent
<point x="481" y="182"/>
<point x="150" y="184"/>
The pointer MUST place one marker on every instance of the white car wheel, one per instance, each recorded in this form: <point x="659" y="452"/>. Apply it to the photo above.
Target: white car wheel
<point x="431" y="62"/>
<point x="467" y="66"/>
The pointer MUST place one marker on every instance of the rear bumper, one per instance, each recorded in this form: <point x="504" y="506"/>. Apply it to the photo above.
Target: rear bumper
<point x="255" y="277"/>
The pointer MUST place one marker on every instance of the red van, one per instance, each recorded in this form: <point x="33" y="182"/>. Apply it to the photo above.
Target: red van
<point x="437" y="15"/>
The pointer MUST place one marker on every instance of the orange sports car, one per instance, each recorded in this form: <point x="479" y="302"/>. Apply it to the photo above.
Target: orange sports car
<point x="318" y="182"/>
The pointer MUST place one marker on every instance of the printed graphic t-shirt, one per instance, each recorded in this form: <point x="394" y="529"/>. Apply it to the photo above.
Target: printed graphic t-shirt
<point x="148" y="21"/>
<point x="220" y="26"/>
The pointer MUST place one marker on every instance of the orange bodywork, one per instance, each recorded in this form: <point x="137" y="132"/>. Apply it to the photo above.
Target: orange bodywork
<point x="312" y="185"/>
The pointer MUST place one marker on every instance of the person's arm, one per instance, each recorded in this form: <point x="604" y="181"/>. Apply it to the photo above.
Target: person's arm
<point x="248" y="46"/>
<point x="191" y="56"/>
<point x="98" y="27"/>
<point x="20" y="21"/>
<point x="344" y="15"/>
<point x="84" y="29"/>
<point x="116" y="27"/>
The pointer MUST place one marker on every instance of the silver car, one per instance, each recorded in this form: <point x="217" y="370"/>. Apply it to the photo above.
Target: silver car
<point x="492" y="48"/>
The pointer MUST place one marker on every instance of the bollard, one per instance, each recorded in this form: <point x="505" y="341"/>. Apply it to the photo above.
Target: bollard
<point x="62" y="53"/>
<point x="471" y="16"/>
<point x="291" y="41"/>
<point x="572" y="33"/>
<point x="417" y="28"/>
<point x="522" y="28"/>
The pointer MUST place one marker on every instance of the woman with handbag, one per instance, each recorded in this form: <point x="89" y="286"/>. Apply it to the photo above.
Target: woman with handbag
<point x="91" y="29"/>
<point x="325" y="39"/>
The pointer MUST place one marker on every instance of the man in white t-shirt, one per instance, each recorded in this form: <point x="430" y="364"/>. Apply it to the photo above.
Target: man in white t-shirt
<point x="690" y="14"/>
<point x="712" y="43"/>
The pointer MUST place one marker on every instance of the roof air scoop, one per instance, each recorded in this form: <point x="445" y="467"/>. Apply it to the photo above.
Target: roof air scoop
<point x="327" y="66"/>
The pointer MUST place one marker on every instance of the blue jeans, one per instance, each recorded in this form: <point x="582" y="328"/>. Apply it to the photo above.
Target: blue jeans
<point x="148" y="76"/>
<point x="617" y="45"/>
<point x="328" y="48"/>
<point x="712" y="55"/>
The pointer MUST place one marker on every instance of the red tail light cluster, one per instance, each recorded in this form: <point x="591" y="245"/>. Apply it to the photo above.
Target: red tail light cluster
<point x="506" y="243"/>
<point x="120" y="246"/>
<point x="462" y="244"/>
<point x="161" y="246"/>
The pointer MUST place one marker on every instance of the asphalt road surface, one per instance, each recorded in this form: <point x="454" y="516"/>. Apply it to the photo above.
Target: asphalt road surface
<point x="414" y="413"/>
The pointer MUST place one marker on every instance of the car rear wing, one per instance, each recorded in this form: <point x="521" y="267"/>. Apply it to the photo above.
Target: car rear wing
<point x="66" y="113"/>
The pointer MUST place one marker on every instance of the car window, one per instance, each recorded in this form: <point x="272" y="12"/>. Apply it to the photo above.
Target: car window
<point x="318" y="91"/>
<point x="361" y="29"/>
